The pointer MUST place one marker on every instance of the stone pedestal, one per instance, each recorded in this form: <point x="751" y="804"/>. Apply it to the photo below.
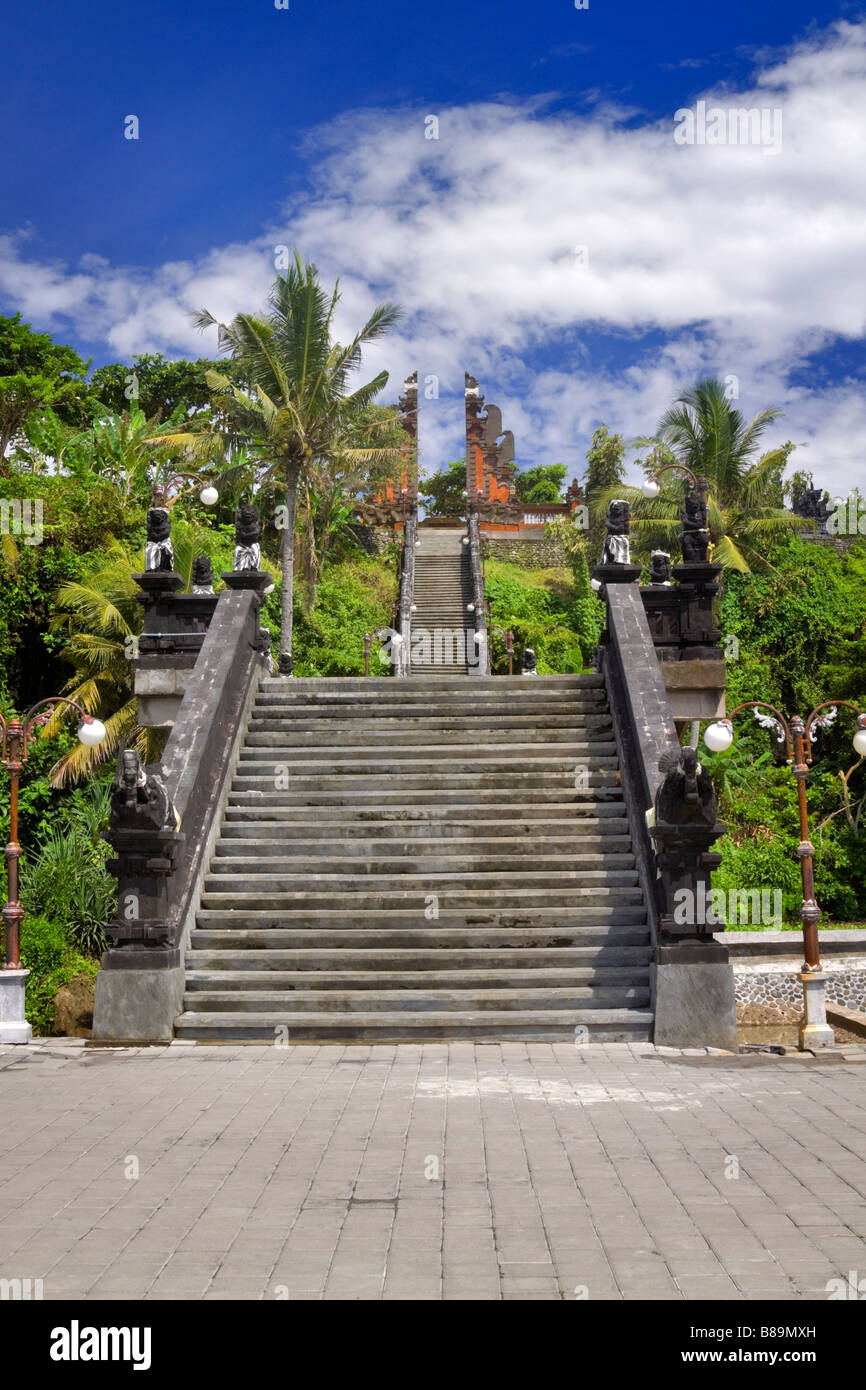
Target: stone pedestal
<point x="617" y="574"/>
<point x="137" y="1006"/>
<point x="815" y="1031"/>
<point x="695" y="1004"/>
<point x="14" y="1027"/>
<point x="257" y="580"/>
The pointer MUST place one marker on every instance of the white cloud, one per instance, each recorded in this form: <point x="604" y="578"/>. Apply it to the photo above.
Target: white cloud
<point x="734" y="260"/>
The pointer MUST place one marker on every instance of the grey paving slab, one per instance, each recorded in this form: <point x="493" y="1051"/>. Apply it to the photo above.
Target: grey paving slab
<point x="423" y="1172"/>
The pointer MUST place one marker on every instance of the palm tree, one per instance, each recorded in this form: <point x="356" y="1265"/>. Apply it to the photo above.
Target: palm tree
<point x="101" y="617"/>
<point x="359" y="457"/>
<point x="298" y="401"/>
<point x="705" y="432"/>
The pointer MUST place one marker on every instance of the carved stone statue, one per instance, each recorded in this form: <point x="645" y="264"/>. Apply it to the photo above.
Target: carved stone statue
<point x="615" y="550"/>
<point x="812" y="505"/>
<point x="248" y="530"/>
<point x="530" y="661"/>
<point x="139" y="800"/>
<point x="660" y="567"/>
<point x="202" y="575"/>
<point x="158" y="550"/>
<point x="695" y="537"/>
<point x="685" y="796"/>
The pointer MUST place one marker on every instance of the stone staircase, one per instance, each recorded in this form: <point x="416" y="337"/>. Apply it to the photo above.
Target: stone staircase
<point x="432" y="858"/>
<point x="441" y="592"/>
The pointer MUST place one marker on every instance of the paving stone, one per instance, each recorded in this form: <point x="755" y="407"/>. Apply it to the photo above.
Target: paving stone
<point x="560" y="1169"/>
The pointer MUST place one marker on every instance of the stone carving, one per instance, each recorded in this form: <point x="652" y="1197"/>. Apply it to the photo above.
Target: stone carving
<point x="139" y="799"/>
<point x="530" y="661"/>
<point x="615" y="550"/>
<point x="685" y="796"/>
<point x="695" y="537"/>
<point x="202" y="575"/>
<point x="813" y="506"/>
<point x="158" y="550"/>
<point x="660" y="567"/>
<point x="248" y="530"/>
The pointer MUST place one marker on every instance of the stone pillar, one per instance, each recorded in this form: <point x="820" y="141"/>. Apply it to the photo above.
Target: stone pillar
<point x="815" y="1031"/>
<point x="14" y="1027"/>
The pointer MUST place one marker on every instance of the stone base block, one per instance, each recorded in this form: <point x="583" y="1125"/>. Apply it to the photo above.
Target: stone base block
<point x="137" y="1007"/>
<point x="14" y="1027"/>
<point x="694" y="1002"/>
<point x="815" y="1031"/>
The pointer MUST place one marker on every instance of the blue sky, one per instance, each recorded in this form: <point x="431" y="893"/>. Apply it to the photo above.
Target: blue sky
<point x="306" y="126"/>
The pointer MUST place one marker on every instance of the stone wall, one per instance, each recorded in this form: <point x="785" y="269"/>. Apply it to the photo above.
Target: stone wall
<point x="768" y="986"/>
<point x="540" y="552"/>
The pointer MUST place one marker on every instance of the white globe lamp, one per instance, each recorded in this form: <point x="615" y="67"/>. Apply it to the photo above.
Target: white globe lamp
<point x="718" y="737"/>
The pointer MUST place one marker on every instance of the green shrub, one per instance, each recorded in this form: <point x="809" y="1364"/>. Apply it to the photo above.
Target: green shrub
<point x="545" y="610"/>
<point x="67" y="880"/>
<point x="353" y="597"/>
<point x="52" y="962"/>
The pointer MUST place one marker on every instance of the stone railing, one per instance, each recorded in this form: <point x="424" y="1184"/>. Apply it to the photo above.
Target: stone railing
<point x="692" y="981"/>
<point x="476" y="574"/>
<point x="162" y="855"/>
<point x="403" y="622"/>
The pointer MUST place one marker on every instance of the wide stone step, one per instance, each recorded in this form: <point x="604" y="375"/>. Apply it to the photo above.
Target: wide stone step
<point x="558" y="867"/>
<point x="265" y="844"/>
<point x="514" y="704"/>
<point x="450" y="894"/>
<point x="590" y="872"/>
<point x="346" y="779"/>
<point x="451" y="746"/>
<point x="335" y="686"/>
<point x="429" y="999"/>
<point x="398" y="760"/>
<point x="608" y="985"/>
<point x="268" y="931"/>
<point x="589" y="960"/>
<point x="250" y="810"/>
<point x="336" y="723"/>
<point x="354" y="836"/>
<point x="429" y="797"/>
<point x="602" y="1025"/>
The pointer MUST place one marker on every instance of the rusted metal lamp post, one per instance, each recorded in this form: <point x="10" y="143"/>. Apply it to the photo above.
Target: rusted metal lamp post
<point x="16" y="735"/>
<point x="798" y="736"/>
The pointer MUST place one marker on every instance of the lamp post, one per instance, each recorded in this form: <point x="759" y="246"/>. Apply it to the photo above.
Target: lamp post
<point x="651" y="487"/>
<point x="798" y="736"/>
<point x="208" y="494"/>
<point x="16" y="733"/>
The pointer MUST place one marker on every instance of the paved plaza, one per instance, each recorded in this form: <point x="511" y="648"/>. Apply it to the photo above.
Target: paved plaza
<point x="511" y="1171"/>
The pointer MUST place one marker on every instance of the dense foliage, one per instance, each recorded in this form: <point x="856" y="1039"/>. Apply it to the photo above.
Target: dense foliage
<point x="796" y="635"/>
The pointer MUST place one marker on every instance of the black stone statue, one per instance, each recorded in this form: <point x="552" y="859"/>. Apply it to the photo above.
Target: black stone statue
<point x="660" y="567"/>
<point x="685" y="796"/>
<point x="202" y="575"/>
<point x="158" y="550"/>
<point x="813" y="506"/>
<point x="695" y="537"/>
<point x="139" y="799"/>
<point x="615" y="550"/>
<point x="248" y="530"/>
